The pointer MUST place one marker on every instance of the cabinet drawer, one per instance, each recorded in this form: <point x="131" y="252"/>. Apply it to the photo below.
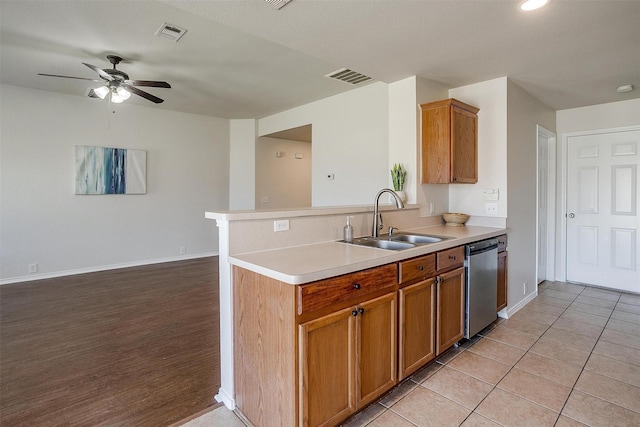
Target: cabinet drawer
<point x="417" y="268"/>
<point x="502" y="243"/>
<point x="345" y="288"/>
<point x="453" y="257"/>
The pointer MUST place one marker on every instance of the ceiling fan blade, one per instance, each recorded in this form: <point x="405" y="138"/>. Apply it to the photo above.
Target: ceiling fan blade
<point x="69" y="77"/>
<point x="142" y="93"/>
<point x="102" y="74"/>
<point x="149" y="83"/>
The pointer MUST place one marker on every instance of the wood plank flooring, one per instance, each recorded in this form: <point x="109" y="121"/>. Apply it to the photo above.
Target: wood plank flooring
<point x="130" y="347"/>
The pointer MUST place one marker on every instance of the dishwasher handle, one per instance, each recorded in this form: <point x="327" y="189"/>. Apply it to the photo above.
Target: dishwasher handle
<point x="481" y="247"/>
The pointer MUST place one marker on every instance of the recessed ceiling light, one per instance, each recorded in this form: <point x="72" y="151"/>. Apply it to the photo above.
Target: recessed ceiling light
<point x="527" y="5"/>
<point x="624" y="88"/>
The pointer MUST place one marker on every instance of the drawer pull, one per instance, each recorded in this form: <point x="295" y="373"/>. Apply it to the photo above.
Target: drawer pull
<point x="421" y="268"/>
<point x="356" y="286"/>
<point x="452" y="257"/>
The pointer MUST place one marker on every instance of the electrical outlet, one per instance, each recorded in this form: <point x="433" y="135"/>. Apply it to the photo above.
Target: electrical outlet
<point x="524" y="288"/>
<point x="33" y="268"/>
<point x="281" y="225"/>
<point x="183" y="250"/>
<point x="432" y="208"/>
<point x="491" y="208"/>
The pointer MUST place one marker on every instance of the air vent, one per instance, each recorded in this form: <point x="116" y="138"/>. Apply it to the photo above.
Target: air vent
<point x="348" y="76"/>
<point x="170" y="32"/>
<point x="278" y="4"/>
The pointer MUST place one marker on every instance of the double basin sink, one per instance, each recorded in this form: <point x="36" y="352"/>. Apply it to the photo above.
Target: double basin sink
<point x="398" y="241"/>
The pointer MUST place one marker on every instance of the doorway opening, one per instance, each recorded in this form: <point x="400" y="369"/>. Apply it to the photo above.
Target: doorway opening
<point x="546" y="204"/>
<point x="283" y="169"/>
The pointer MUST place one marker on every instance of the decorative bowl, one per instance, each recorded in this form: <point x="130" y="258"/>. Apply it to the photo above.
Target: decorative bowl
<point x="453" y="219"/>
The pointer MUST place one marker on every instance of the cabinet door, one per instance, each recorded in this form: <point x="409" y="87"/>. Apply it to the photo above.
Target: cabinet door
<point x="327" y="369"/>
<point x="502" y="280"/>
<point x="436" y="143"/>
<point x="450" y="309"/>
<point x="376" y="341"/>
<point x="464" y="156"/>
<point x="417" y="326"/>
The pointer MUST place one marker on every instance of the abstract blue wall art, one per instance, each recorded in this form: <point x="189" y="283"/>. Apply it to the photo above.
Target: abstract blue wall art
<point x="103" y="170"/>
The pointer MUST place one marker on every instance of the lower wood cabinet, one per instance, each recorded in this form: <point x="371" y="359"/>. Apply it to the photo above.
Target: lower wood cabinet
<point x="417" y="326"/>
<point x="502" y="280"/>
<point x="312" y="355"/>
<point x="450" y="309"/>
<point x="502" y="272"/>
<point x="346" y="359"/>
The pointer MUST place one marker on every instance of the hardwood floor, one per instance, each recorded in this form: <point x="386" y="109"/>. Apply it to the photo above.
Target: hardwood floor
<point x="130" y="347"/>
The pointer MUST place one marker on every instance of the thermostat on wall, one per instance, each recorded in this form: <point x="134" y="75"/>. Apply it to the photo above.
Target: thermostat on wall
<point x="490" y="194"/>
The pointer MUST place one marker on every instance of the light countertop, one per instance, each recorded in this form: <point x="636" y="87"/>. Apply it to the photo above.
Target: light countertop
<point x="303" y="264"/>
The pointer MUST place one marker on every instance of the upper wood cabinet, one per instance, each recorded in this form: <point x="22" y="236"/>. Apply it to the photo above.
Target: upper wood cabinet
<point x="449" y="142"/>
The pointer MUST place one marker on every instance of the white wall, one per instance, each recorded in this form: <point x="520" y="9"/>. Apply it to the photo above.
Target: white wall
<point x="242" y="169"/>
<point x="603" y="116"/>
<point x="523" y="116"/>
<point x="491" y="98"/>
<point x="350" y="134"/>
<point x="282" y="182"/>
<point x="42" y="221"/>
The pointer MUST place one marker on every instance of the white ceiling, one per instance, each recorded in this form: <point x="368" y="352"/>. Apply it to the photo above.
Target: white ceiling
<point x="246" y="59"/>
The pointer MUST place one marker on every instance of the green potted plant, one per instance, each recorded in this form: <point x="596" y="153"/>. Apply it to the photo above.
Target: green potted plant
<point x="398" y="175"/>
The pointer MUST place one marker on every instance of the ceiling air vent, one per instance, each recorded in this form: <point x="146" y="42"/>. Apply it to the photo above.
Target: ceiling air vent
<point x="278" y="4"/>
<point x="170" y="32"/>
<point x="348" y="76"/>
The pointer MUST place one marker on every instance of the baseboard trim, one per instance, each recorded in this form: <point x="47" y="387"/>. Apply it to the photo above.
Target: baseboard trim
<point x="513" y="310"/>
<point x="223" y="397"/>
<point x="55" y="274"/>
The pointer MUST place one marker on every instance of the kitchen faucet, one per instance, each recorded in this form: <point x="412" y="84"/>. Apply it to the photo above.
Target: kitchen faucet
<point x="376" y="229"/>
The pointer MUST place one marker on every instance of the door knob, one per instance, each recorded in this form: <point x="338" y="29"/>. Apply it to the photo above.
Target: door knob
<point x="572" y="215"/>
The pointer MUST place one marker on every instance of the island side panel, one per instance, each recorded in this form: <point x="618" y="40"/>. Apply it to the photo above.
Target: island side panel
<point x="265" y="344"/>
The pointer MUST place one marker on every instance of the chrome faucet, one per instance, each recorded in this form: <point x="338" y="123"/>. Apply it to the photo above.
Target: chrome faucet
<point x="376" y="229"/>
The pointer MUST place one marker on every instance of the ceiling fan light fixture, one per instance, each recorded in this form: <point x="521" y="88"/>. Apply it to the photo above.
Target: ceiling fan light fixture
<point x="123" y="93"/>
<point x="101" y="92"/>
<point x="528" y="5"/>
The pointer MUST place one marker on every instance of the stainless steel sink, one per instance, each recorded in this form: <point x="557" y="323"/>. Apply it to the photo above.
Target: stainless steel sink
<point x="399" y="241"/>
<point x="382" y="243"/>
<point x="416" y="238"/>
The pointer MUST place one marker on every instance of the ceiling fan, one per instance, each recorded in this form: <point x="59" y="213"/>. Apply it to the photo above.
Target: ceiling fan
<point x="117" y="83"/>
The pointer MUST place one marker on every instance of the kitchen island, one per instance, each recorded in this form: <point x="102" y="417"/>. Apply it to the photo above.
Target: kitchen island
<point x="266" y="319"/>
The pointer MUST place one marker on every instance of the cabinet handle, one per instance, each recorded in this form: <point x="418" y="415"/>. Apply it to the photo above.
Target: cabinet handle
<point x="455" y="179"/>
<point x="361" y="310"/>
<point x="354" y="313"/>
<point x="435" y="281"/>
<point x="356" y="286"/>
<point x="452" y="257"/>
<point x="441" y="280"/>
<point x="420" y="267"/>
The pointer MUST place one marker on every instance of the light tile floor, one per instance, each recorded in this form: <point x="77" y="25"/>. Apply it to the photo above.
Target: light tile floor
<point x="570" y="357"/>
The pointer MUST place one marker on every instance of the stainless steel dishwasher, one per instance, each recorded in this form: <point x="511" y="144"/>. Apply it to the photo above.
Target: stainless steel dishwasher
<point x="481" y="268"/>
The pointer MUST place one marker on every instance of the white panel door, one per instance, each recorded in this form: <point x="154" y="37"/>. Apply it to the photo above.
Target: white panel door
<point x="603" y="246"/>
